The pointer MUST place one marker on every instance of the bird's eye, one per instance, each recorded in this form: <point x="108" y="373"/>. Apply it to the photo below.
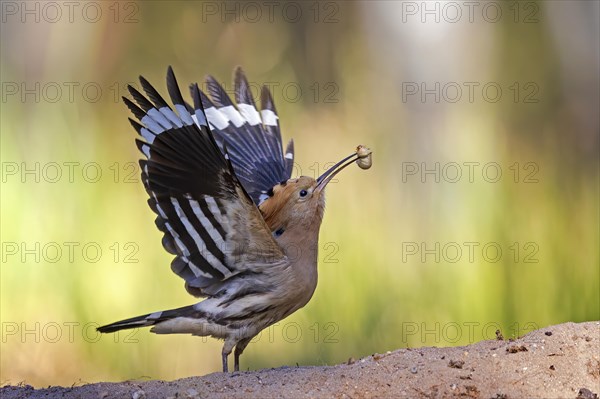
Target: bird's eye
<point x="303" y="193"/>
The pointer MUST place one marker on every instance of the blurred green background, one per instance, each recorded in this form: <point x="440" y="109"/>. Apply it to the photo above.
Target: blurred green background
<point x="429" y="247"/>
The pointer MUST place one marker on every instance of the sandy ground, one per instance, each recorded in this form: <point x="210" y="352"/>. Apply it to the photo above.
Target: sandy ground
<point x="560" y="361"/>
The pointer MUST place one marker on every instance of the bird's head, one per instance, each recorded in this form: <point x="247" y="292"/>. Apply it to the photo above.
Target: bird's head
<point x="300" y="202"/>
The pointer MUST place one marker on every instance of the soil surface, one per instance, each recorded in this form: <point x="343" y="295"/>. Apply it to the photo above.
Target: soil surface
<point x="561" y="361"/>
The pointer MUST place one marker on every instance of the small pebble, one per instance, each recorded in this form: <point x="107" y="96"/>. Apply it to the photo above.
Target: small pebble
<point x="456" y="364"/>
<point x="585" y="393"/>
<point x="139" y="394"/>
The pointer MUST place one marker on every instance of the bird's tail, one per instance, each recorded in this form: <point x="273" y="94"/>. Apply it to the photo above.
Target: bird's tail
<point x="146" y="320"/>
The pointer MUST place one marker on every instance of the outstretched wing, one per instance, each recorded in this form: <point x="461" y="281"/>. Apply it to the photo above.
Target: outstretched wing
<point x="208" y="220"/>
<point x="253" y="139"/>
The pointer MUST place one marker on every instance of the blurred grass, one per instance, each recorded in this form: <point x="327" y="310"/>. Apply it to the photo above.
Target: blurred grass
<point x="370" y="299"/>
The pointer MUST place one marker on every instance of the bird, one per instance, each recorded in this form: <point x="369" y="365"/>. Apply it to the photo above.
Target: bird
<point x="243" y="231"/>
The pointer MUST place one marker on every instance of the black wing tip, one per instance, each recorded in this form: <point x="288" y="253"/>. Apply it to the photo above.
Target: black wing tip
<point x="195" y="92"/>
<point x="148" y="88"/>
<point x="137" y="126"/>
<point x="173" y="88"/>
<point x="266" y="99"/>
<point x="135" y="110"/>
<point x="141" y="143"/>
<point x="238" y="73"/>
<point x="206" y="101"/>
<point x="212" y="83"/>
<point x="218" y="94"/>
<point x="132" y="90"/>
<point x="140" y="99"/>
<point x="152" y="93"/>
<point x="170" y="75"/>
<point x="243" y="94"/>
<point x="200" y="99"/>
<point x="211" y="78"/>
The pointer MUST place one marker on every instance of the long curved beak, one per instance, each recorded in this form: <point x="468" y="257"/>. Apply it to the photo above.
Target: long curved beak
<point x="360" y="153"/>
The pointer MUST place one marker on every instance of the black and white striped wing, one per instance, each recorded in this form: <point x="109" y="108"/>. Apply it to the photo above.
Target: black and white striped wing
<point x="253" y="139"/>
<point x="207" y="218"/>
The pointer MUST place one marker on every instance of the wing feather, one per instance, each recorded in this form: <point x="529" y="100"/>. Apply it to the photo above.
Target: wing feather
<point x="208" y="219"/>
<point x="253" y="138"/>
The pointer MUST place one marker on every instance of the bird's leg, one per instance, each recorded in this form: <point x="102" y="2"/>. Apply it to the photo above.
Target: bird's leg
<point x="227" y="347"/>
<point x="239" y="349"/>
<point x="224" y="359"/>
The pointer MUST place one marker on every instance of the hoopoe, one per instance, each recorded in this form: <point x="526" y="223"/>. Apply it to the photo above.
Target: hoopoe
<point x="243" y="232"/>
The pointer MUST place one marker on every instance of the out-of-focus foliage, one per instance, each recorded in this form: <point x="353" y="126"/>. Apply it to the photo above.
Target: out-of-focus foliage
<point x="409" y="249"/>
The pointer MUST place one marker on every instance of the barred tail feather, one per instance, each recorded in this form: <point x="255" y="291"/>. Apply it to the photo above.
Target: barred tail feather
<point x="147" y="320"/>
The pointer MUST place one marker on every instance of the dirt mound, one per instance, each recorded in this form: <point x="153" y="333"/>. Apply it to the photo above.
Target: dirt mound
<point x="561" y="361"/>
